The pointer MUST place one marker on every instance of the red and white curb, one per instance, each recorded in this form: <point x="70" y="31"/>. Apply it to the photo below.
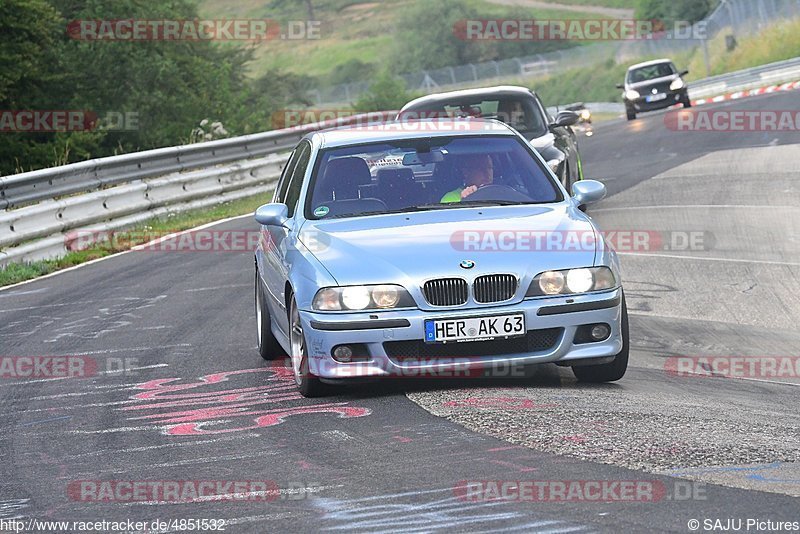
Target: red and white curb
<point x="751" y="92"/>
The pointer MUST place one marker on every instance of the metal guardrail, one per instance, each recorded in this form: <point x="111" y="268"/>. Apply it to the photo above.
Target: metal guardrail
<point x="29" y="187"/>
<point x="770" y="74"/>
<point x="115" y="192"/>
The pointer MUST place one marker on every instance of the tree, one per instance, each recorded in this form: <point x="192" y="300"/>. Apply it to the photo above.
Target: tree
<point x="169" y="85"/>
<point x="669" y="11"/>
<point x="386" y="93"/>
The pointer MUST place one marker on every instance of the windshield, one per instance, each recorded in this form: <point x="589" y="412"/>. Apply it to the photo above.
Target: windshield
<point x="651" y="72"/>
<point x="427" y="174"/>
<point x="522" y="114"/>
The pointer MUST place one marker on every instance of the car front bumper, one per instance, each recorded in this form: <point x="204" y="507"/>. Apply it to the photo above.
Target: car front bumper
<point x="375" y="336"/>
<point x="673" y="98"/>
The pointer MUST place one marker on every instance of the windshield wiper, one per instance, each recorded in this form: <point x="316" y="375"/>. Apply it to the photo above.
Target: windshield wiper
<point x="494" y="203"/>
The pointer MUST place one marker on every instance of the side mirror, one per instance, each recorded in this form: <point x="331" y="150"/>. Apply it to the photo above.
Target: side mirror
<point x="565" y="118"/>
<point x="272" y="214"/>
<point x="620" y="86"/>
<point x="588" y="192"/>
<point x="684" y="72"/>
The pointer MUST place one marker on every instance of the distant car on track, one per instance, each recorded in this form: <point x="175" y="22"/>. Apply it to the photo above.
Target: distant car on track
<point x="653" y="85"/>
<point x="520" y="108"/>
<point x="364" y="269"/>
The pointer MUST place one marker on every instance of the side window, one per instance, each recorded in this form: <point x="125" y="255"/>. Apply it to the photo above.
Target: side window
<point x="283" y="182"/>
<point x="296" y="180"/>
<point x="548" y="118"/>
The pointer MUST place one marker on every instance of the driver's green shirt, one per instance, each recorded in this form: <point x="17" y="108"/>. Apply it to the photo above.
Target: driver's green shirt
<point x="452" y="196"/>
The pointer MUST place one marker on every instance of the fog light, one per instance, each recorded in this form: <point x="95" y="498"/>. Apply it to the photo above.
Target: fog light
<point x="343" y="353"/>
<point x="592" y="333"/>
<point x="600" y="332"/>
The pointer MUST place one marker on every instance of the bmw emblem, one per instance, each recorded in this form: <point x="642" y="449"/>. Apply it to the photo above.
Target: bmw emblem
<point x="467" y="264"/>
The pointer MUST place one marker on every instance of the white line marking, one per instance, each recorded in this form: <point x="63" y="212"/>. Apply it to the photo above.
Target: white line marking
<point x="98" y="260"/>
<point x="233" y="286"/>
<point x="705" y="258"/>
<point x="82" y="302"/>
<point x="114" y="430"/>
<point x="75" y="407"/>
<point x="166" y="445"/>
<point x="18" y="293"/>
<point x="134" y="369"/>
<point x="106" y="351"/>
<point x="233" y="497"/>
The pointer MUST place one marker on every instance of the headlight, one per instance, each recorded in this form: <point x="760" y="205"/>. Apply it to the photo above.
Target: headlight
<point x="677" y="84"/>
<point x="385" y="296"/>
<point x="572" y="281"/>
<point x="586" y="114"/>
<point x="580" y="280"/>
<point x="551" y="282"/>
<point x="630" y="94"/>
<point x="356" y="298"/>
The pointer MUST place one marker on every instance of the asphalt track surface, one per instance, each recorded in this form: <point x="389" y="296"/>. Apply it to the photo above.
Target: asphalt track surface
<point x="390" y="457"/>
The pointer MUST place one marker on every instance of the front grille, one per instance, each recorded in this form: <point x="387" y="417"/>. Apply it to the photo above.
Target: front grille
<point x="417" y="349"/>
<point x="445" y="292"/>
<point x="494" y="288"/>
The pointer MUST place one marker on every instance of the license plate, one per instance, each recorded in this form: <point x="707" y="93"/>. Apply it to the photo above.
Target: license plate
<point x="655" y="98"/>
<point x="474" y="328"/>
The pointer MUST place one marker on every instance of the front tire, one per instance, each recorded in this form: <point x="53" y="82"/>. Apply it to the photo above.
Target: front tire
<point x="687" y="103"/>
<point x="268" y="346"/>
<point x="608" y="372"/>
<point x="308" y="384"/>
<point x="630" y="113"/>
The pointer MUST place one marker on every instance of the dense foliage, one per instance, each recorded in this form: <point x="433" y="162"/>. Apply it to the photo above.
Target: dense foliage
<point x="170" y="86"/>
<point x="675" y="10"/>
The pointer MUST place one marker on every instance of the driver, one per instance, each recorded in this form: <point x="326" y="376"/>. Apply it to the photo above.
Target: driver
<point x="477" y="171"/>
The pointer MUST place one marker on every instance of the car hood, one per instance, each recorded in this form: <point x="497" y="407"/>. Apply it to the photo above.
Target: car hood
<point x="412" y="247"/>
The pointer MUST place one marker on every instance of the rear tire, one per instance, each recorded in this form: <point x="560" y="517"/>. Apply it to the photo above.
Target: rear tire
<point x="268" y="346"/>
<point x="608" y="372"/>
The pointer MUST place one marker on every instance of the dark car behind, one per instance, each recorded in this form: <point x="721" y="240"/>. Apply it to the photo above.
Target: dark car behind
<point x="653" y="85"/>
<point x="520" y="108"/>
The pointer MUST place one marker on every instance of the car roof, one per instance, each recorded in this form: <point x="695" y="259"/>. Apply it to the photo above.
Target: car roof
<point x="497" y="91"/>
<point x="408" y="129"/>
<point x="649" y="63"/>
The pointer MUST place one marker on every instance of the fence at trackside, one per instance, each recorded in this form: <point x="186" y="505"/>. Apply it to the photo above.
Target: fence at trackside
<point x="40" y="210"/>
<point x="731" y="18"/>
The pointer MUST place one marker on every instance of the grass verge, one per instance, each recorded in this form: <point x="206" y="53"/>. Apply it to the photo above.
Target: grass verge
<point x="20" y="272"/>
